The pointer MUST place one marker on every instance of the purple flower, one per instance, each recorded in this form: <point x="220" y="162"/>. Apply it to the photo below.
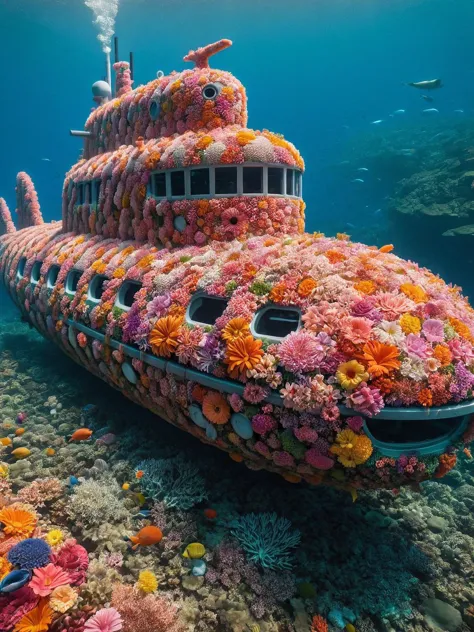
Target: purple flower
<point x="366" y="309"/>
<point x="158" y="306"/>
<point x="463" y="382"/>
<point x="133" y="323"/>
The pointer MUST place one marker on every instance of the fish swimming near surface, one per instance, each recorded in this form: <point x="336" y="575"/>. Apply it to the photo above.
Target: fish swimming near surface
<point x="21" y="453"/>
<point x="358" y="180"/>
<point x="146" y="537"/>
<point x="431" y="111"/>
<point x="399" y="111"/>
<point x="377" y="122"/>
<point x="46" y="159"/>
<point x="362" y="169"/>
<point x="81" y="435"/>
<point x="459" y="111"/>
<point x="432" y="84"/>
<point x="426" y="97"/>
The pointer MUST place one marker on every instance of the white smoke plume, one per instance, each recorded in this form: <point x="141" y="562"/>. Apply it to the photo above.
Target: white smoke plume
<point x="105" y="12"/>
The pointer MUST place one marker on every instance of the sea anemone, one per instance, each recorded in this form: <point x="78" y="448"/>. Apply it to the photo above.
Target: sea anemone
<point x="216" y="408"/>
<point x="235" y="328"/>
<point x="351" y="374"/>
<point x="147" y="582"/>
<point x="164" y="335"/>
<point x="63" y="598"/>
<point x="243" y="354"/>
<point x="300" y="351"/>
<point x="352" y="449"/>
<point x="105" y="620"/>
<point x="46" y="579"/>
<point x="18" y="521"/>
<point x="37" y="620"/>
<point x="381" y="359"/>
<point x="29" y="554"/>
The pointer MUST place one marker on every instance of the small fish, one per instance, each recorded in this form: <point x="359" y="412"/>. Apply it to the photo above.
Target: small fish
<point x="3" y="470"/>
<point x="431" y="111"/>
<point x="199" y="568"/>
<point x="426" y="97"/>
<point x="358" y="180"/>
<point x="194" y="551"/>
<point x="377" y="122"/>
<point x="349" y="225"/>
<point x="73" y="481"/>
<point x="459" y="111"/>
<point x="399" y="111"/>
<point x="46" y="159"/>
<point x="140" y="498"/>
<point x="81" y="435"/>
<point x="143" y="513"/>
<point x="19" y="431"/>
<point x="5" y="441"/>
<point x="377" y="212"/>
<point x="139" y="474"/>
<point x="210" y="514"/>
<point x="146" y="537"/>
<point x="126" y="487"/>
<point x="432" y="84"/>
<point x="254" y="627"/>
<point x="405" y="152"/>
<point x="468" y="453"/>
<point x="362" y="169"/>
<point x="350" y="628"/>
<point x="50" y="451"/>
<point x="353" y="493"/>
<point x="107" y="439"/>
<point x="21" y="453"/>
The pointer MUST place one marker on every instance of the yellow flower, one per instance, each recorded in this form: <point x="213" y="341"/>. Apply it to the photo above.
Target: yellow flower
<point x="54" y="537"/>
<point x="415" y="292"/>
<point x="147" y="582"/>
<point x="410" y="324"/>
<point x="351" y="374"/>
<point x="5" y="567"/>
<point x="63" y="598"/>
<point x="119" y="273"/>
<point x="352" y="449"/>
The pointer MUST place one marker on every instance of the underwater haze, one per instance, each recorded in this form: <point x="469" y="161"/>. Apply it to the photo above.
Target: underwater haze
<point x="112" y="519"/>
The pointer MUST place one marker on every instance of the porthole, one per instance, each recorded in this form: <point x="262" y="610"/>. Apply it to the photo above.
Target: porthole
<point x="126" y="294"/>
<point x="211" y="91"/>
<point x="290" y="183"/>
<point x="205" y="310"/>
<point x="276" y="322"/>
<point x="21" y="268"/>
<point x="80" y="193"/>
<point x="96" y="287"/>
<point x="396" y="432"/>
<point x="36" y="271"/>
<point x="72" y="281"/>
<point x="275" y="181"/>
<point x="52" y="276"/>
<point x="88" y="192"/>
<point x="297" y="184"/>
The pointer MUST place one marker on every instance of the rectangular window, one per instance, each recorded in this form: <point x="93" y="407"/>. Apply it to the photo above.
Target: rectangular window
<point x="88" y="192"/>
<point x="200" y="182"/>
<point x="297" y="183"/>
<point x="275" y="181"/>
<point x="253" y="179"/>
<point x="80" y="193"/>
<point x="177" y="183"/>
<point x="290" y="183"/>
<point x="226" y="180"/>
<point x="159" y="184"/>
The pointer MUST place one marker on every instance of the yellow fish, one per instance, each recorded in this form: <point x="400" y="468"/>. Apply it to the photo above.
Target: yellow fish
<point x="195" y="551"/>
<point x="350" y="628"/>
<point x="353" y="493"/>
<point x="141" y="499"/>
<point x="126" y="486"/>
<point x="3" y="470"/>
<point x="5" y="441"/>
<point x="21" y="453"/>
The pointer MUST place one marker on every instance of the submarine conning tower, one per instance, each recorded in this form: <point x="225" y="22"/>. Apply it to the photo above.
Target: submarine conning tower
<point x="173" y="163"/>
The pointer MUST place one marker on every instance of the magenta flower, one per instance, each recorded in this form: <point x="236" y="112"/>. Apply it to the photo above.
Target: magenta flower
<point x="433" y="330"/>
<point x="300" y="351"/>
<point x="367" y="401"/>
<point x="105" y="620"/>
<point x="355" y="423"/>
<point x="262" y="424"/>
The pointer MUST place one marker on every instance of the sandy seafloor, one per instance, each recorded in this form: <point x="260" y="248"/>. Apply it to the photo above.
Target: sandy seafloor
<point x="388" y="562"/>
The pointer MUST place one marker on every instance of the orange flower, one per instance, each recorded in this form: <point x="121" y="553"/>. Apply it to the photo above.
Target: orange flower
<point x="410" y="324"/>
<point x="244" y="137"/>
<point x="319" y="624"/>
<point x="145" y="261"/>
<point x="443" y="354"/>
<point x="306" y="287"/>
<point x="335" y="256"/>
<point x="164" y="335"/>
<point x="415" y="292"/>
<point x="461" y="329"/>
<point x="198" y="393"/>
<point x="37" y="620"/>
<point x="235" y="328"/>
<point x="145" y="380"/>
<point x="216" y="408"/>
<point x="384" y="384"/>
<point x="5" y="567"/>
<point x="380" y="359"/>
<point x="243" y="354"/>
<point x="119" y="273"/>
<point x="365" y="287"/>
<point x="17" y="521"/>
<point x="446" y="464"/>
<point x="387" y="248"/>
<point x="425" y="397"/>
<point x="277" y="294"/>
<point x="204" y="142"/>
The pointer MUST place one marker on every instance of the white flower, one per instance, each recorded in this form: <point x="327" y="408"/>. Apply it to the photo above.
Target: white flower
<point x="389" y="332"/>
<point x="414" y="369"/>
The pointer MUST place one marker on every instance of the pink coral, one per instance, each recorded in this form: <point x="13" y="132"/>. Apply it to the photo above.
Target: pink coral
<point x="141" y="612"/>
<point x="41" y="491"/>
<point x="262" y="424"/>
<point x="105" y="620"/>
<point x="300" y="351"/>
<point x="6" y="224"/>
<point x="317" y="460"/>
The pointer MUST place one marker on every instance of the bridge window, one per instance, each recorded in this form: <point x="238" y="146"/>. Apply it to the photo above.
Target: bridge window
<point x="225" y="180"/>
<point x="21" y="268"/>
<point x="252" y="179"/>
<point x="177" y="184"/>
<point x="200" y="184"/>
<point x="276" y="322"/>
<point x="52" y="276"/>
<point x="72" y="281"/>
<point x="159" y="184"/>
<point x="96" y="287"/>
<point x="290" y="183"/>
<point x="126" y="294"/>
<point x="205" y="310"/>
<point x="412" y="431"/>
<point x="35" y="271"/>
<point x="275" y="181"/>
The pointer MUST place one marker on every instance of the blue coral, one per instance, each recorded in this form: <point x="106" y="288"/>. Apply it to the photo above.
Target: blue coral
<point x="29" y="554"/>
<point x="266" y="538"/>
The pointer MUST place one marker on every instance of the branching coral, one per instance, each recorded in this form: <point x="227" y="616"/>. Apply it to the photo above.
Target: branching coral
<point x="140" y="612"/>
<point x="41" y="491"/>
<point x="97" y="502"/>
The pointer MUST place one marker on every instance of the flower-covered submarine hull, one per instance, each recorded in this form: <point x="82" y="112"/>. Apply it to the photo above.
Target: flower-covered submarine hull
<point x="182" y="276"/>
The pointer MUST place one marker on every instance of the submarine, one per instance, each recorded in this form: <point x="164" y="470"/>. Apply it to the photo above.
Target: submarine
<point x="181" y="275"/>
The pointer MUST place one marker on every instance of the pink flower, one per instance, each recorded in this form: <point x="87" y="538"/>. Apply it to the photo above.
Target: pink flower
<point x="300" y="351"/>
<point x="236" y="402"/>
<point x="262" y="449"/>
<point x="416" y="347"/>
<point x="254" y="393"/>
<point x="366" y="400"/>
<point x="73" y="558"/>
<point x="105" y="620"/>
<point x="357" y="330"/>
<point x="461" y="350"/>
<point x="307" y="434"/>
<point x="433" y="330"/>
<point x="47" y="578"/>
<point x="317" y="460"/>
<point x="393" y="305"/>
<point x="262" y="424"/>
<point x="355" y="423"/>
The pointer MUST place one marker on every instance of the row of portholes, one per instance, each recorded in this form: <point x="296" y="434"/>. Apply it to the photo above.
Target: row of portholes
<point x="272" y="321"/>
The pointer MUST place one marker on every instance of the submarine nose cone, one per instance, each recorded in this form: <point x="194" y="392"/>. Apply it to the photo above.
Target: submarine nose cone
<point x="101" y="89"/>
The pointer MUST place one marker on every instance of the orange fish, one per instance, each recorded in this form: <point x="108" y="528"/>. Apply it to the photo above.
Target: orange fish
<point x="146" y="537"/>
<point x="5" y="441"/>
<point x="19" y="431"/>
<point x="387" y="248"/>
<point x="468" y="453"/>
<point x="81" y="435"/>
<point x="210" y="514"/>
<point x="139" y="474"/>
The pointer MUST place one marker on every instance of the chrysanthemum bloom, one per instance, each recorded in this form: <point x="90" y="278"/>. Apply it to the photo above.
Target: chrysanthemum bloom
<point x="365" y="287"/>
<point x="367" y="401"/>
<point x="433" y="330"/>
<point x="389" y="332"/>
<point x="409" y="324"/>
<point x="351" y="374"/>
<point x="300" y="351"/>
<point x="306" y="287"/>
<point x="357" y="330"/>
<point x="416" y="347"/>
<point x="37" y="620"/>
<point x="164" y="335"/>
<point x="46" y="579"/>
<point x="17" y="521"/>
<point x="443" y="354"/>
<point x="352" y="449"/>
<point x="415" y="292"/>
<point x="216" y="408"/>
<point x="235" y="328"/>
<point x="147" y="582"/>
<point x="105" y="620"/>
<point x="380" y="359"/>
<point x="243" y="354"/>
<point x="63" y="598"/>
<point x="425" y="397"/>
